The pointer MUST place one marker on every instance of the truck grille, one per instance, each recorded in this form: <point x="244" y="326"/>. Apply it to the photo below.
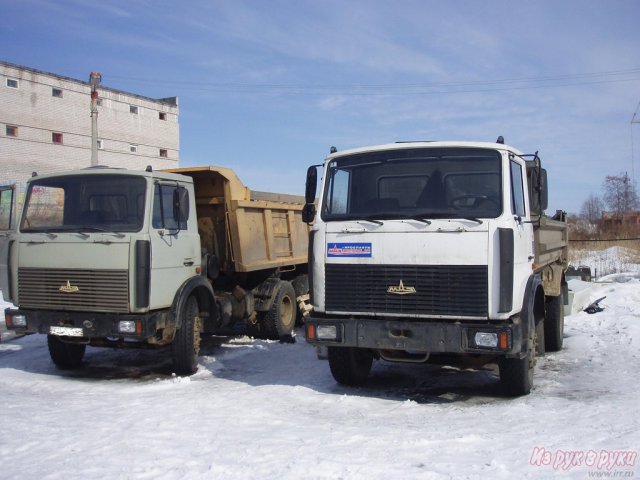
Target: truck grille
<point x="449" y="290"/>
<point x="70" y="289"/>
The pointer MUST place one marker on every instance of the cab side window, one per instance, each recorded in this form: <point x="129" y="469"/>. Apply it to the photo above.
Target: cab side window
<point x="165" y="215"/>
<point x="6" y="208"/>
<point x="517" y="190"/>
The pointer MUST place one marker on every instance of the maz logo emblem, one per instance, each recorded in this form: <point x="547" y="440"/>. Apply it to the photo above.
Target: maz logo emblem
<point x="401" y="289"/>
<point x="68" y="288"/>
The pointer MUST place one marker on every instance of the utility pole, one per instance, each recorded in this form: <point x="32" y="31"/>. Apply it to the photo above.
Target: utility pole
<point x="94" y="81"/>
<point x="634" y="119"/>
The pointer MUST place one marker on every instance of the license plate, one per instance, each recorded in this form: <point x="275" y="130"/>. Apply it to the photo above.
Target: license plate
<point x="66" y="331"/>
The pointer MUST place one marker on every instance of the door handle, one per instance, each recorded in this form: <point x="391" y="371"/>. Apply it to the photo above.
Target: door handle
<point x="188" y="263"/>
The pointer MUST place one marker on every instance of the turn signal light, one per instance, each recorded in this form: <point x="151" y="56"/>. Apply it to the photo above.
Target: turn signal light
<point x="311" y="331"/>
<point x="504" y="340"/>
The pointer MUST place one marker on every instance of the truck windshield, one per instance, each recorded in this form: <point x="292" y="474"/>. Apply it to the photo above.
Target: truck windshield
<point x="421" y="183"/>
<point x="111" y="203"/>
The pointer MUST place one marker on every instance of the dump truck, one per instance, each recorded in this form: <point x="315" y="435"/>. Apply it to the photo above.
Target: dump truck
<point x="435" y="252"/>
<point x="118" y="258"/>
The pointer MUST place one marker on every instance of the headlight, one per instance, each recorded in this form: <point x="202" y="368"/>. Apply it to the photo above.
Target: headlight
<point x="127" y="326"/>
<point x="19" y="321"/>
<point x="486" y="339"/>
<point x="327" y="332"/>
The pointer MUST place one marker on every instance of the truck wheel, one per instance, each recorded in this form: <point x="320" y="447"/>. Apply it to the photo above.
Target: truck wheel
<point x="65" y="355"/>
<point x="516" y="374"/>
<point x="554" y="323"/>
<point x="540" y="344"/>
<point x="350" y="365"/>
<point x="280" y="320"/>
<point x="186" y="344"/>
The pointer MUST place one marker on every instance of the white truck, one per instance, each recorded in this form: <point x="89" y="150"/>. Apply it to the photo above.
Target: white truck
<point x="434" y="252"/>
<point x="118" y="258"/>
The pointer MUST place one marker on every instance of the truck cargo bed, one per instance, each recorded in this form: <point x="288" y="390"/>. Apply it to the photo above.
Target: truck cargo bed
<point x="247" y="231"/>
<point x="551" y="240"/>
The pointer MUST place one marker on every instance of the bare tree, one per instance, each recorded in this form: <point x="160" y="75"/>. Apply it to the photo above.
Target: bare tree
<point x="620" y="194"/>
<point x="592" y="209"/>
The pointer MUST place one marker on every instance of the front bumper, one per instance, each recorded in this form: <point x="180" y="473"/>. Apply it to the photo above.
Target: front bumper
<point x="435" y="336"/>
<point x="88" y="325"/>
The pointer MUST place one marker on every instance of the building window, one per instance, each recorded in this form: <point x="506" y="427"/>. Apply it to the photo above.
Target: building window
<point x="56" y="92"/>
<point x="162" y="115"/>
<point x="100" y="145"/>
<point x="133" y="109"/>
<point x="11" y="131"/>
<point x="163" y="152"/>
<point x="133" y="148"/>
<point x="99" y="102"/>
<point x="56" y="137"/>
<point x="12" y="83"/>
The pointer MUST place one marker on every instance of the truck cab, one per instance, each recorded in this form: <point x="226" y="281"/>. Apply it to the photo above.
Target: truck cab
<point x="80" y="265"/>
<point x="430" y="251"/>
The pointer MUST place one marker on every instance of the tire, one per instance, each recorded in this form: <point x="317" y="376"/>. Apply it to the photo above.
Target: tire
<point x="280" y="320"/>
<point x="554" y="323"/>
<point x="186" y="344"/>
<point x="350" y="365"/>
<point x="540" y="343"/>
<point x="66" y="356"/>
<point x="516" y="374"/>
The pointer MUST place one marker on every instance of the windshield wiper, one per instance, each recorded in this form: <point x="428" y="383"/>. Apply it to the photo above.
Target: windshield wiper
<point x="420" y="218"/>
<point x="371" y="220"/>
<point x="87" y="228"/>
<point x="45" y="231"/>
<point x="446" y="215"/>
<point x="377" y="218"/>
<point x="402" y="216"/>
<point x="473" y="219"/>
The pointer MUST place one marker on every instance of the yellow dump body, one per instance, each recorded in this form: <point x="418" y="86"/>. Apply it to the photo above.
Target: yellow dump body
<point x="247" y="231"/>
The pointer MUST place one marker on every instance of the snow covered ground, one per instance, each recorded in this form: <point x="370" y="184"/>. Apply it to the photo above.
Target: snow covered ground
<point x="259" y="409"/>
<point x="610" y="260"/>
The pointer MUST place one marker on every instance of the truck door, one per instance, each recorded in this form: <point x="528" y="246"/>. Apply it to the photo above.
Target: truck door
<point x="523" y="231"/>
<point x="7" y="229"/>
<point x="175" y="246"/>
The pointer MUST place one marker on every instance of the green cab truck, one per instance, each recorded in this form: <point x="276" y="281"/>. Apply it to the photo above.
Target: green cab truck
<point x="118" y="258"/>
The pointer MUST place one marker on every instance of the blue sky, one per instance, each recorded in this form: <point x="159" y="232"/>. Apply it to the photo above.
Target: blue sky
<point x="266" y="87"/>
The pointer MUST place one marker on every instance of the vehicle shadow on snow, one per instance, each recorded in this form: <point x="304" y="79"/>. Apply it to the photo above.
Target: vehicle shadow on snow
<point x="31" y="354"/>
<point x="434" y="383"/>
<point x="260" y="363"/>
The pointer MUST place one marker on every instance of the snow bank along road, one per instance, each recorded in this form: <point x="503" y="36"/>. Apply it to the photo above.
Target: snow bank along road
<point x="259" y="409"/>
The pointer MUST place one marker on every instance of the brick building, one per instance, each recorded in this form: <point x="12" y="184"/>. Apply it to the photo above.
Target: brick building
<point x="45" y="126"/>
<point x="610" y="219"/>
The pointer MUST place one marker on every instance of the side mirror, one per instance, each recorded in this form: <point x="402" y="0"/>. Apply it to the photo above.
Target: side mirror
<point x="181" y="204"/>
<point x="543" y="190"/>
<point x="311" y="185"/>
<point x="308" y="213"/>
<point x="538" y="189"/>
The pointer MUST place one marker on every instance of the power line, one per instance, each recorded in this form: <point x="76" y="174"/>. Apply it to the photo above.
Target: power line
<point x="496" y="85"/>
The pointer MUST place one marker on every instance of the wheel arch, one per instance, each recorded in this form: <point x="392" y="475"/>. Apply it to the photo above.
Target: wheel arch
<point x="533" y="305"/>
<point x="203" y="292"/>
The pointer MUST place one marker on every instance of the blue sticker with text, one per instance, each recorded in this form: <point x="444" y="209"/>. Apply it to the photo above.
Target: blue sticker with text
<point x="349" y="250"/>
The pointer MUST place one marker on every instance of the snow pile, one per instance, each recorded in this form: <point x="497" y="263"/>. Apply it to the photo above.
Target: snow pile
<point x="259" y="409"/>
